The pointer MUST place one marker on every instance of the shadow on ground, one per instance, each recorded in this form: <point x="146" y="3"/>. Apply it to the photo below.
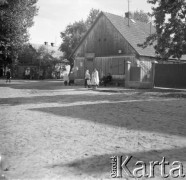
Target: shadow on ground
<point x="155" y="116"/>
<point x="72" y="95"/>
<point x="66" y="98"/>
<point x="38" y="85"/>
<point x="59" y="85"/>
<point x="100" y="164"/>
<point x="164" y="93"/>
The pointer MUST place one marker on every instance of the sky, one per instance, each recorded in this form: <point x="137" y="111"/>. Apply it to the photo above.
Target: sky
<point x="55" y="15"/>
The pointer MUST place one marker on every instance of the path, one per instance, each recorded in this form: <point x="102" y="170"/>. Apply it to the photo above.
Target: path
<point x="49" y="131"/>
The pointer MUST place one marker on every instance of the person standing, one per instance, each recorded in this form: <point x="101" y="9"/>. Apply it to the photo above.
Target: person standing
<point x="87" y="78"/>
<point x="66" y="79"/>
<point x="8" y="76"/>
<point x="27" y="73"/>
<point x="71" y="78"/>
<point x="95" y="79"/>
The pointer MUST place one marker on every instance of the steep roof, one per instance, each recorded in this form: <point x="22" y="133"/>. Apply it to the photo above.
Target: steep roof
<point x="135" y="33"/>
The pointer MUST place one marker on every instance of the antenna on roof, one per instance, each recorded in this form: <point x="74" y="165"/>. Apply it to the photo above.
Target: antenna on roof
<point x="128" y="12"/>
<point x="150" y="22"/>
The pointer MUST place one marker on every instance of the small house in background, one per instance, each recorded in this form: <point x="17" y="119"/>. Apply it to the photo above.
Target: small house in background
<point x="111" y="46"/>
<point x="32" y="63"/>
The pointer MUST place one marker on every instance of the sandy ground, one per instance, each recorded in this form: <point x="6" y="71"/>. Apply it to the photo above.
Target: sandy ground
<point x="49" y="131"/>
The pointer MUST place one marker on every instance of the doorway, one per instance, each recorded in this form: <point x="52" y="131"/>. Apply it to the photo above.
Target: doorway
<point x="89" y="65"/>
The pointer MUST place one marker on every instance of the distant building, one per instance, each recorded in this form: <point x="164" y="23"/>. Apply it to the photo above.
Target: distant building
<point x="50" y="47"/>
<point x="33" y="65"/>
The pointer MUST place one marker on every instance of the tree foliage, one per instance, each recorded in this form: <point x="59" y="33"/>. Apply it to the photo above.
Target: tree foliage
<point x="16" y="16"/>
<point x="91" y="17"/>
<point x="28" y="55"/>
<point x="41" y="56"/>
<point x="140" y="16"/>
<point x="72" y="36"/>
<point x="46" y="57"/>
<point x="73" y="33"/>
<point x="170" y="24"/>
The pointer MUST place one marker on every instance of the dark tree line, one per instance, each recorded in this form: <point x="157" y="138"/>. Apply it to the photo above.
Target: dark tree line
<point x="16" y="16"/>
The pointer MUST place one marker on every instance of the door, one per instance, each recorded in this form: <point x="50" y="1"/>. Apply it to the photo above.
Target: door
<point x="89" y="65"/>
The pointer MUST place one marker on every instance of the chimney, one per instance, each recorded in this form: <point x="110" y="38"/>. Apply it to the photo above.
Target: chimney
<point x="127" y="15"/>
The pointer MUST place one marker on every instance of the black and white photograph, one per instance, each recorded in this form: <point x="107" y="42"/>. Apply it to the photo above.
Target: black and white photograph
<point x="92" y="89"/>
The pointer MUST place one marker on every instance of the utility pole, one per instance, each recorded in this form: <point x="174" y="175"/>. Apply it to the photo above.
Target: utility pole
<point x="128" y="12"/>
<point x="150" y="22"/>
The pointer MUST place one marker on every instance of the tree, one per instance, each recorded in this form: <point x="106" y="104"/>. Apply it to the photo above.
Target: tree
<point x="73" y="33"/>
<point x="28" y="55"/>
<point x="46" y="57"/>
<point x="16" y="17"/>
<point x="140" y="16"/>
<point x="42" y="57"/>
<point x="72" y="36"/>
<point x="92" y="17"/>
<point x="170" y="24"/>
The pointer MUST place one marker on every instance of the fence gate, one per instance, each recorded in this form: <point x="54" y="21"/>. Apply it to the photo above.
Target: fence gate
<point x="170" y="75"/>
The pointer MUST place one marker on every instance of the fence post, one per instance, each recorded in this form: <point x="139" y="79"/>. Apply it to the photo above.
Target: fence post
<point x="127" y="73"/>
<point x="153" y="72"/>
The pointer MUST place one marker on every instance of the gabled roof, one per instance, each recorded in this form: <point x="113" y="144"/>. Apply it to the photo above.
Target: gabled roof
<point x="55" y="49"/>
<point x="136" y="33"/>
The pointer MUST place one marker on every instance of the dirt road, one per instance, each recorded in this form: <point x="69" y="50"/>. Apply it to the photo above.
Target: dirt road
<point x="49" y="131"/>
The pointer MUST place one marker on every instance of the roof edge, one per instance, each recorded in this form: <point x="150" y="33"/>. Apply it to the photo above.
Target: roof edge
<point x="120" y="33"/>
<point x="85" y="35"/>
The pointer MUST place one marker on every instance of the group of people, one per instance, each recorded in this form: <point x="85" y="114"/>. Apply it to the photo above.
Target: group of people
<point x="92" y="80"/>
<point x="68" y="78"/>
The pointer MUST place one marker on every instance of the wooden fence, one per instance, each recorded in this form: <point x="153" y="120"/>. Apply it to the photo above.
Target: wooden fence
<point x="115" y="65"/>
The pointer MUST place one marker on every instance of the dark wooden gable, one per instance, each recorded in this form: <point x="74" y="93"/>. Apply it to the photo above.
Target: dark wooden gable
<point x="104" y="39"/>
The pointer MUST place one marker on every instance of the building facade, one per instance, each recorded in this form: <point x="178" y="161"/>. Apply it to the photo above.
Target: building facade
<point x="111" y="45"/>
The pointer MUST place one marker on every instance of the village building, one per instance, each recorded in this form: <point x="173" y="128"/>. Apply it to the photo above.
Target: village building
<point x="31" y="67"/>
<point x="111" y="46"/>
